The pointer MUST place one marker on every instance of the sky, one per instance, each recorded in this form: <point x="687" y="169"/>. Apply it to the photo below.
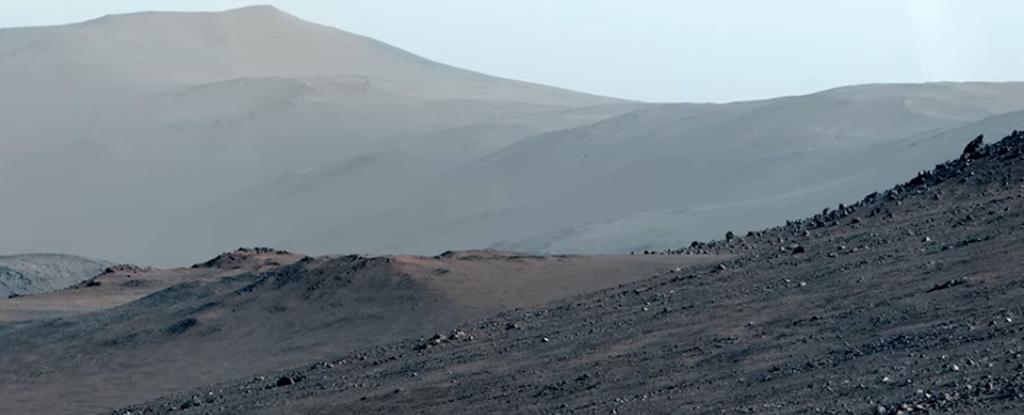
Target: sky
<point x="656" y="50"/>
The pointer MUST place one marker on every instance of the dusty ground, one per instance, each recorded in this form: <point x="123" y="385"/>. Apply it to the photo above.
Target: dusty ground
<point x="155" y="332"/>
<point x="907" y="302"/>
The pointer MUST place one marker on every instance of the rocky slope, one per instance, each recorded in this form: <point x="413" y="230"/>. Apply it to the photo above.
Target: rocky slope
<point x="134" y="334"/>
<point x="902" y="302"/>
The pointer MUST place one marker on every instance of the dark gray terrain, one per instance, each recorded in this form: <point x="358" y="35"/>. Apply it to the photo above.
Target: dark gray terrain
<point x="907" y="301"/>
<point x="38" y="273"/>
<point x="135" y="334"/>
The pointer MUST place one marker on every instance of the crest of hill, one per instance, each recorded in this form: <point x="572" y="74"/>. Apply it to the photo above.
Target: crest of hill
<point x="173" y="49"/>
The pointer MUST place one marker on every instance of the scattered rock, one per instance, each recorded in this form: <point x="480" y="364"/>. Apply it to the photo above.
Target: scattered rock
<point x="285" y="381"/>
<point x="193" y="402"/>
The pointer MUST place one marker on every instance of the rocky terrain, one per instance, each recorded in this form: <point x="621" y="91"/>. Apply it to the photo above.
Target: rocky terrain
<point x="183" y="134"/>
<point x="906" y="301"/>
<point x="38" y="273"/>
<point x="134" y="334"/>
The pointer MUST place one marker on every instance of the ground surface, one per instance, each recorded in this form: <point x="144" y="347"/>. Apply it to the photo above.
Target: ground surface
<point x="135" y="334"/>
<point x="907" y="302"/>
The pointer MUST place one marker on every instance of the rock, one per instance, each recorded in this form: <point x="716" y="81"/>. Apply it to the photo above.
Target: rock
<point x="285" y="381"/>
<point x="729" y="236"/>
<point x="973" y="148"/>
<point x="799" y="249"/>
<point x="191" y="403"/>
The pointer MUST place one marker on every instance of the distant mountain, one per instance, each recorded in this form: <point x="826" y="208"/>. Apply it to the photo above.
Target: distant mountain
<point x="113" y="126"/>
<point x="39" y="273"/>
<point x="156" y="138"/>
<point x="665" y="176"/>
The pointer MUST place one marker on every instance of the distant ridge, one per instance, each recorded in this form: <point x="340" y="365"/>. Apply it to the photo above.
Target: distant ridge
<point x="39" y="273"/>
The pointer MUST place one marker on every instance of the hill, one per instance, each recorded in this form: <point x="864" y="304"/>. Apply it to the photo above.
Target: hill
<point x="182" y="134"/>
<point x="202" y="107"/>
<point x="661" y="177"/>
<point x="901" y="302"/>
<point x="39" y="273"/>
<point x="134" y="334"/>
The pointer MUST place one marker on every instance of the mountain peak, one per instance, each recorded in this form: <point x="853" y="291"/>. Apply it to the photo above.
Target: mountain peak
<point x="263" y="10"/>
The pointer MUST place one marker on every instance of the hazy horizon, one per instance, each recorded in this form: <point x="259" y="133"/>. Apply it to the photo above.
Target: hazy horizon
<point x="657" y="50"/>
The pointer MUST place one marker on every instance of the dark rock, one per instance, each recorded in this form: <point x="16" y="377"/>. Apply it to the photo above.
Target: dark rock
<point x="285" y="381"/>
<point x="191" y="403"/>
<point x="799" y="249"/>
<point x="973" y="148"/>
<point x="182" y="326"/>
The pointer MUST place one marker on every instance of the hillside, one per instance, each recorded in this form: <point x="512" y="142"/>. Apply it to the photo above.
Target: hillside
<point x="39" y="273"/>
<point x="135" y="334"/>
<point x="901" y="302"/>
<point x="664" y="176"/>
<point x="181" y="134"/>
<point x="203" y="107"/>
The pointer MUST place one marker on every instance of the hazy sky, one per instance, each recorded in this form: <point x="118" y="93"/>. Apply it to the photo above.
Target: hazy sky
<point x="657" y="50"/>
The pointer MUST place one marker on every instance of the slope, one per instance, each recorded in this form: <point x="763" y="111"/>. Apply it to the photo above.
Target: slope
<point x="902" y="302"/>
<point x="136" y="334"/>
<point x="662" y="176"/>
<point x="202" y="107"/>
<point x="38" y="273"/>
